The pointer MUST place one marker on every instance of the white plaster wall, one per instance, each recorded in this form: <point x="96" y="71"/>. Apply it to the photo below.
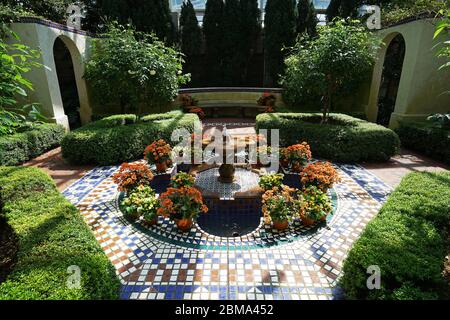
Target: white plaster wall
<point x="45" y="80"/>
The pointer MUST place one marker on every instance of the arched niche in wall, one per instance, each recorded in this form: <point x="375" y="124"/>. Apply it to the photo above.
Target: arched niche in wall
<point x="390" y="78"/>
<point x="63" y="53"/>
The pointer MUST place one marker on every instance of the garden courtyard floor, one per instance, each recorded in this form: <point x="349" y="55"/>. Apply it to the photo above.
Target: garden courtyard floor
<point x="159" y="262"/>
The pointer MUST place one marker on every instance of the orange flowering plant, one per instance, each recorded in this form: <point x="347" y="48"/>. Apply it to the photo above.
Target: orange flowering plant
<point x="181" y="203"/>
<point x="295" y="157"/>
<point x="158" y="152"/>
<point x="320" y="174"/>
<point x="131" y="175"/>
<point x="280" y="204"/>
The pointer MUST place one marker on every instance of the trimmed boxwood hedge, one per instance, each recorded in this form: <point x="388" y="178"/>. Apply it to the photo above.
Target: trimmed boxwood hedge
<point x="408" y="240"/>
<point x="51" y="237"/>
<point x="122" y="138"/>
<point x="426" y="139"/>
<point x="343" y="139"/>
<point x="20" y="147"/>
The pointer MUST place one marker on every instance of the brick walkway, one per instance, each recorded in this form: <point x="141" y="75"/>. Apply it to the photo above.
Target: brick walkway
<point x="62" y="172"/>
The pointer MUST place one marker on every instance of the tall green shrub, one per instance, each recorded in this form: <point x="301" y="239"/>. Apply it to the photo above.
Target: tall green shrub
<point x="279" y="33"/>
<point x="191" y="40"/>
<point x="231" y="40"/>
<point x="133" y="73"/>
<point x="213" y="32"/>
<point x="249" y="30"/>
<point x="307" y="18"/>
<point x="149" y="16"/>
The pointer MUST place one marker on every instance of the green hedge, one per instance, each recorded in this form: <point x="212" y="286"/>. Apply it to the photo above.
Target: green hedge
<point x="20" y="147"/>
<point x="408" y="240"/>
<point x="344" y="138"/>
<point x="426" y="139"/>
<point x="111" y="140"/>
<point x="51" y="237"/>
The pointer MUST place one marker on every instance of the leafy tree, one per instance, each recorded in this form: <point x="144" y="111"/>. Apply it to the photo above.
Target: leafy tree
<point x="133" y="72"/>
<point x="15" y="61"/>
<point x="191" y="39"/>
<point x="332" y="65"/>
<point x="213" y="32"/>
<point x="279" y="33"/>
<point x="307" y="18"/>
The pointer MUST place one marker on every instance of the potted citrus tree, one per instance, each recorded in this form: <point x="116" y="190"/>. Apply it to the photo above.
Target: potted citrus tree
<point x="279" y="206"/>
<point x="315" y="206"/>
<point x="182" y="205"/>
<point x="158" y="153"/>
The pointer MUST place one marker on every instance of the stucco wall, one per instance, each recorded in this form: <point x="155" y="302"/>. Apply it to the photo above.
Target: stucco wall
<point x="45" y="80"/>
<point x="421" y="83"/>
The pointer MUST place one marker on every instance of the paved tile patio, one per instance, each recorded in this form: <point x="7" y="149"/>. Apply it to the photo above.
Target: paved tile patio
<point x="162" y="263"/>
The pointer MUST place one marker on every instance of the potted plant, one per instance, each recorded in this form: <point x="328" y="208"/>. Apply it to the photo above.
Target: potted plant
<point x="319" y="174"/>
<point x="182" y="179"/>
<point x="270" y="181"/>
<point x="141" y="201"/>
<point x="182" y="205"/>
<point x="294" y="158"/>
<point x="279" y="206"/>
<point x="315" y="206"/>
<point x="268" y="101"/>
<point x="131" y="175"/>
<point x="158" y="153"/>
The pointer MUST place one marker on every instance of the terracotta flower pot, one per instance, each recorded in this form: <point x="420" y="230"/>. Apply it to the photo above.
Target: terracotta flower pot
<point x="161" y="167"/>
<point x="307" y="221"/>
<point x="184" y="224"/>
<point x="280" y="225"/>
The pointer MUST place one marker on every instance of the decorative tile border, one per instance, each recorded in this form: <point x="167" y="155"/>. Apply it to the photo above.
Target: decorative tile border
<point x="171" y="265"/>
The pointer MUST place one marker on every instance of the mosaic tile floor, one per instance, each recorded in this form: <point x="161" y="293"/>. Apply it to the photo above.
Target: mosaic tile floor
<point x="162" y="263"/>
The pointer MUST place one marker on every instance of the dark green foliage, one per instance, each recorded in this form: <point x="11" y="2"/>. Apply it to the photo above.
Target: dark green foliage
<point x="105" y="142"/>
<point x="191" y="41"/>
<point x="307" y="18"/>
<point x="333" y="9"/>
<point x="427" y="139"/>
<point x="213" y="33"/>
<point x="249" y="30"/>
<point x="51" y="237"/>
<point x="20" y="147"/>
<point x="330" y="66"/>
<point x="231" y="38"/>
<point x="279" y="33"/>
<point x="134" y="70"/>
<point x="408" y="240"/>
<point x="149" y="16"/>
<point x="343" y="138"/>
